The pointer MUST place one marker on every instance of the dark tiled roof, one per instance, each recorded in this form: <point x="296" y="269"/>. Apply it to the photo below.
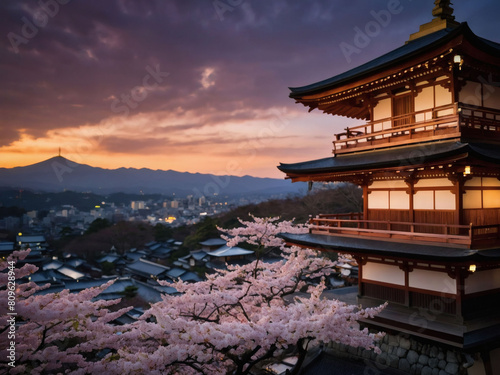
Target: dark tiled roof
<point x="43" y="277"/>
<point x="52" y="265"/>
<point x="356" y="245"/>
<point x="199" y="255"/>
<point x="7" y="246"/>
<point x="403" y="156"/>
<point x="190" y="276"/>
<point x="406" y="52"/>
<point x="147" y="268"/>
<point x="174" y="273"/>
<point x="70" y="272"/>
<point x="111" y="258"/>
<point x="213" y="242"/>
<point x="226" y="251"/>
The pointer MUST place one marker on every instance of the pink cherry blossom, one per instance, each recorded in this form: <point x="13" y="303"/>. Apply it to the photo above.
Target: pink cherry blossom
<point x="233" y="322"/>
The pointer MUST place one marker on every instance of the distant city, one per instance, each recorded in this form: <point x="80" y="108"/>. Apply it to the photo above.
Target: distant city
<point x="59" y="233"/>
<point x="58" y="197"/>
<point x="53" y="218"/>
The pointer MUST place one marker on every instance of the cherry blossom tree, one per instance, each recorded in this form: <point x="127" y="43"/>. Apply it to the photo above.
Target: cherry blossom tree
<point x="232" y="323"/>
<point x="241" y="317"/>
<point x="52" y="332"/>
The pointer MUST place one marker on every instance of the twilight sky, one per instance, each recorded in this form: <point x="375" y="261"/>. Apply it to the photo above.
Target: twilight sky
<point x="189" y="85"/>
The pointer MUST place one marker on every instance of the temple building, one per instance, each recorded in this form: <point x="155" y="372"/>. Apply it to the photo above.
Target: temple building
<point x="427" y="159"/>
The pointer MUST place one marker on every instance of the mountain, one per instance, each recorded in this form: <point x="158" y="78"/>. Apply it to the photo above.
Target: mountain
<point x="60" y="174"/>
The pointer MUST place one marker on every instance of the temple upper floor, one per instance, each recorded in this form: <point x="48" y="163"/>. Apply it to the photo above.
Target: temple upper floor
<point x="460" y="121"/>
<point x="444" y="85"/>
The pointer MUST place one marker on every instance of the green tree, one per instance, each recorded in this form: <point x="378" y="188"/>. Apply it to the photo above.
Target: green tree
<point x="162" y="232"/>
<point x="66" y="232"/>
<point x="202" y="231"/>
<point x="127" y="235"/>
<point x="98" y="225"/>
<point x="129" y="292"/>
<point x="108" y="268"/>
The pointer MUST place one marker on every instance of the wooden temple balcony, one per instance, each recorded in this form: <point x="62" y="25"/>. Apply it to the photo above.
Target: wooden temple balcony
<point x="450" y="121"/>
<point x="353" y="225"/>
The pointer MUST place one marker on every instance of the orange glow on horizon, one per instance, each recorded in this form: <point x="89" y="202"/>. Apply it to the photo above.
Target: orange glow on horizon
<point x="248" y="147"/>
<point x="263" y="167"/>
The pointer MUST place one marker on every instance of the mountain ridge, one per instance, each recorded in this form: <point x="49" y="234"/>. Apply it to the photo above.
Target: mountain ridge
<point x="60" y="174"/>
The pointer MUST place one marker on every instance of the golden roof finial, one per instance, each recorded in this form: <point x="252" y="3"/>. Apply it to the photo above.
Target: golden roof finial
<point x="443" y="19"/>
<point x="443" y="10"/>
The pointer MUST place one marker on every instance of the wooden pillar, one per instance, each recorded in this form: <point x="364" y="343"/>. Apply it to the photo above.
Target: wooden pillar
<point x="461" y="275"/>
<point x="458" y="181"/>
<point x="365" y="202"/>
<point x="411" y="192"/>
<point x="454" y="86"/>
<point x="407" y="268"/>
<point x="485" y="356"/>
<point x="361" y="262"/>
<point x="365" y="182"/>
<point x="459" y="189"/>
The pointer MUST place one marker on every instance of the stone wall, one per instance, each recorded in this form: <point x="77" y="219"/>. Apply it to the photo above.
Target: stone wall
<point x="409" y="356"/>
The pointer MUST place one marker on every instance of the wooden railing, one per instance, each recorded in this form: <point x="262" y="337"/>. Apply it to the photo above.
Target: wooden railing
<point x="479" y="122"/>
<point x="485" y="234"/>
<point x="449" y="121"/>
<point x="438" y="123"/>
<point x="348" y="216"/>
<point x="397" y="294"/>
<point x="464" y="235"/>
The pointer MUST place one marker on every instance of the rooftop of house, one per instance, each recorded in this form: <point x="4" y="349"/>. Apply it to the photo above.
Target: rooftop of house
<point x="226" y="251"/>
<point x="52" y="265"/>
<point x="30" y="239"/>
<point x="70" y="272"/>
<point x="111" y="258"/>
<point x="197" y="255"/>
<point x="43" y="277"/>
<point x="133" y="256"/>
<point x="175" y="273"/>
<point x="6" y="246"/>
<point x="150" y="293"/>
<point x="147" y="268"/>
<point x="189" y="276"/>
<point x="213" y="242"/>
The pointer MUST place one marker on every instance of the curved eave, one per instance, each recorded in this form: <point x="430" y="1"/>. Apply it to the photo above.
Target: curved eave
<point x="398" y="56"/>
<point x="396" y="157"/>
<point x="385" y="158"/>
<point x="364" y="246"/>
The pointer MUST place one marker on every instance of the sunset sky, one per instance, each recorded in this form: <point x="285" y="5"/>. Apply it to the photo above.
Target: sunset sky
<point x="189" y="85"/>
